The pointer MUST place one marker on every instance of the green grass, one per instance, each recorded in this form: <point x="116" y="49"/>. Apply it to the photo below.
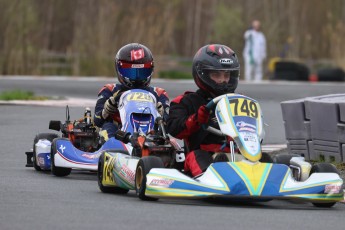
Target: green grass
<point x="174" y="75"/>
<point x="18" y="94"/>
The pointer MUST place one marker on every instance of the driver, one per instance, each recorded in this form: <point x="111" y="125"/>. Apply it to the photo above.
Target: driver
<point x="134" y="69"/>
<point x="215" y="72"/>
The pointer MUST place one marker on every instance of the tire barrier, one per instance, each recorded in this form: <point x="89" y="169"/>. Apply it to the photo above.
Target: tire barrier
<point x="315" y="127"/>
<point x="331" y="74"/>
<point x="295" y="71"/>
<point x="292" y="71"/>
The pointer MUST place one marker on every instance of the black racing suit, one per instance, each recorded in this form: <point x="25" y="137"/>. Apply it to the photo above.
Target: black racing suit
<point x="182" y="124"/>
<point x="111" y="123"/>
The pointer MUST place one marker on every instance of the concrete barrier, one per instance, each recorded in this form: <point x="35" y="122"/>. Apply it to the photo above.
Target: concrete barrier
<point x="315" y="127"/>
<point x="297" y="127"/>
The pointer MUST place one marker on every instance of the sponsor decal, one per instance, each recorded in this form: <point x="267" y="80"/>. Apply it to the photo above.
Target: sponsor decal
<point x="62" y="148"/>
<point x="332" y="188"/>
<point x="249" y="137"/>
<point x="243" y="126"/>
<point x="142" y="108"/>
<point x="246" y="129"/>
<point x="226" y="61"/>
<point x="41" y="160"/>
<point x="137" y="65"/>
<point x="161" y="182"/>
<point x="137" y="54"/>
<point x="127" y="173"/>
<point x="91" y="156"/>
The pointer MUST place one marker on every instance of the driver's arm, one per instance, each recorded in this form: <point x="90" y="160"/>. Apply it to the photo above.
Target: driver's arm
<point x="103" y="96"/>
<point x="183" y="119"/>
<point x="163" y="103"/>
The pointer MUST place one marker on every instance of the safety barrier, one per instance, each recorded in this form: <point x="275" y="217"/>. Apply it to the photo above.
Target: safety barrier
<point x="315" y="127"/>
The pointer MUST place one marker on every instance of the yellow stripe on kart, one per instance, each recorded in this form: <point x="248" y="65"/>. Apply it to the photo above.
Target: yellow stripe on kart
<point x="254" y="176"/>
<point x="152" y="190"/>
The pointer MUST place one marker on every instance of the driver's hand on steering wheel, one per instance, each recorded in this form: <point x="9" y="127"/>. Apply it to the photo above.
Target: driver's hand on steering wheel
<point x="110" y="107"/>
<point x="203" y="115"/>
<point x="160" y="108"/>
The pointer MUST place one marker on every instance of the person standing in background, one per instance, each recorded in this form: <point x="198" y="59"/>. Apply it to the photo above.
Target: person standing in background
<point x="254" y="52"/>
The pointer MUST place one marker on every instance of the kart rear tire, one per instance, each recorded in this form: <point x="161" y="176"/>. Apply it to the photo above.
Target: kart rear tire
<point x="50" y="137"/>
<point x="323" y="168"/>
<point x="103" y="188"/>
<point x="144" y="166"/>
<point x="57" y="171"/>
<point x="284" y="158"/>
<point x="266" y="158"/>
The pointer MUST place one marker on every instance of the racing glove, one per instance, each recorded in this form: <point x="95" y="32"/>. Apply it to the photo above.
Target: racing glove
<point x="160" y="108"/>
<point x="110" y="107"/>
<point x="203" y="115"/>
<point x="197" y="119"/>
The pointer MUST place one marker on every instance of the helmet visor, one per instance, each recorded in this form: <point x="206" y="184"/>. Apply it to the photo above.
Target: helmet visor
<point x="135" y="74"/>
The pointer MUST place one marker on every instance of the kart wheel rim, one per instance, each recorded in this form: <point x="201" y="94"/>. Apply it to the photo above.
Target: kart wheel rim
<point x="139" y="177"/>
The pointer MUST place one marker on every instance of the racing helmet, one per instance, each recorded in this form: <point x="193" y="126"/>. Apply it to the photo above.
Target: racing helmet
<point x="134" y="66"/>
<point x="215" y="57"/>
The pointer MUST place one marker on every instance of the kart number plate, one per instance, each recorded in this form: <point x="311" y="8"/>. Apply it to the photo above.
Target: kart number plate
<point x="244" y="107"/>
<point x="138" y="96"/>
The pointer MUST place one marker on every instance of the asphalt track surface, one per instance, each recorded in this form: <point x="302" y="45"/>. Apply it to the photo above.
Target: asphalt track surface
<point x="35" y="200"/>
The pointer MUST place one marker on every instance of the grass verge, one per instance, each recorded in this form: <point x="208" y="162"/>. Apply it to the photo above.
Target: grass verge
<point x="18" y="94"/>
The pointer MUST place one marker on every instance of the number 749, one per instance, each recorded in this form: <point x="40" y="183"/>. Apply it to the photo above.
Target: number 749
<point x="244" y="107"/>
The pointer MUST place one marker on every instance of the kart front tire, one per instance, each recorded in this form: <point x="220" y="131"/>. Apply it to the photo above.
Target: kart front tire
<point x="144" y="166"/>
<point x="50" y="137"/>
<point x="103" y="188"/>
<point x="266" y="158"/>
<point x="57" y="171"/>
<point x="324" y="168"/>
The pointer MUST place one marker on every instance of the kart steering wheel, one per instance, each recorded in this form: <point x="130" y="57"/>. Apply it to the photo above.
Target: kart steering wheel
<point x="210" y="106"/>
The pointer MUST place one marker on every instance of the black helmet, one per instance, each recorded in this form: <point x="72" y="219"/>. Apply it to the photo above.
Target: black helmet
<point x="134" y="65"/>
<point x="215" y="57"/>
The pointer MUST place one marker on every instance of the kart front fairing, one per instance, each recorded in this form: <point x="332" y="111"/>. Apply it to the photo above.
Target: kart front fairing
<point x="137" y="111"/>
<point x="240" y="117"/>
<point x="68" y="156"/>
<point x="247" y="180"/>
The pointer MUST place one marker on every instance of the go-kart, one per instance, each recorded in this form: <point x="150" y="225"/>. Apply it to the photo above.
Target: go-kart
<point x="137" y="136"/>
<point x="137" y="110"/>
<point x="81" y="133"/>
<point x="243" y="176"/>
<point x="144" y="131"/>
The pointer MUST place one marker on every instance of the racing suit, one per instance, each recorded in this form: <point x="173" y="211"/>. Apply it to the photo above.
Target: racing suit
<point x="111" y="124"/>
<point x="182" y="124"/>
<point x="254" y="54"/>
